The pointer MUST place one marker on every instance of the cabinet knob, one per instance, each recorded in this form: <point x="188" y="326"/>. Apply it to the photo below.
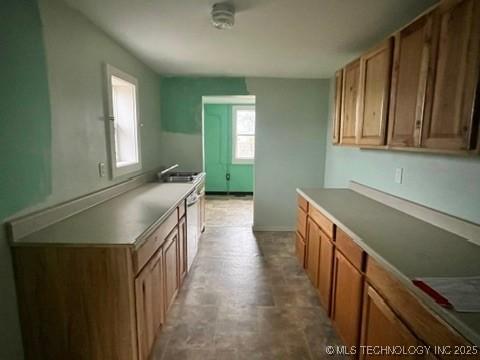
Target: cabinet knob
<point x="465" y="129"/>
<point x="417" y="124"/>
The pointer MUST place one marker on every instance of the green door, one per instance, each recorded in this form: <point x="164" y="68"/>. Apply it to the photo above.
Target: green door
<point x="222" y="174"/>
<point x="216" y="130"/>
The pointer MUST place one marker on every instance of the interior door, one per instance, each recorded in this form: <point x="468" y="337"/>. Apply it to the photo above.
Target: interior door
<point x="216" y="147"/>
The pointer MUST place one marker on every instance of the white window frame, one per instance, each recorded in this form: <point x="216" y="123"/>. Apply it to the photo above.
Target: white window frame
<point x="235" y="108"/>
<point x="119" y="171"/>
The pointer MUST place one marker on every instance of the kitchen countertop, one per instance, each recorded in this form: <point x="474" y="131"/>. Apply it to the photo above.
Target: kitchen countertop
<point x="122" y="220"/>
<point x="409" y="247"/>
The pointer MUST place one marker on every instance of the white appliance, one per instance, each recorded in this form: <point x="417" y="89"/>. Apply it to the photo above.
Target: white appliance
<point x="193" y="220"/>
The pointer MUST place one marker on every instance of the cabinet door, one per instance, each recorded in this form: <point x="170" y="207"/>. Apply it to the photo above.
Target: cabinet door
<point x="348" y="123"/>
<point x="149" y="304"/>
<point x="408" y="98"/>
<point x="375" y="73"/>
<point x="337" y="107"/>
<point x="300" y="249"/>
<point x="313" y="251"/>
<point x="182" y="248"/>
<point x="347" y="300"/>
<point x="325" y="272"/>
<point x="451" y="124"/>
<point x="302" y="222"/>
<point x="171" y="268"/>
<point x="381" y="327"/>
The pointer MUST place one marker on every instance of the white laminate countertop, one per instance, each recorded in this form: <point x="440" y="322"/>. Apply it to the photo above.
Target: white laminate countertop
<point x="122" y="220"/>
<point x="407" y="246"/>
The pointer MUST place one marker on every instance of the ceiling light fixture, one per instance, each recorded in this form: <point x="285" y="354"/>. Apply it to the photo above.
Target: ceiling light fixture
<point x="223" y="15"/>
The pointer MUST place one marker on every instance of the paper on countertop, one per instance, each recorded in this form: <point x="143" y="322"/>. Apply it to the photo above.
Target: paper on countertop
<point x="463" y="293"/>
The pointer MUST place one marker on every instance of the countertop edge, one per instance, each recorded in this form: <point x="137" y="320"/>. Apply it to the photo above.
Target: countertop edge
<point x="148" y="231"/>
<point x="135" y="243"/>
<point x="464" y="330"/>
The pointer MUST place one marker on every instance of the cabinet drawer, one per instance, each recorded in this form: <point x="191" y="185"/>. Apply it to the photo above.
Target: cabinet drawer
<point x="181" y="210"/>
<point x="322" y="221"/>
<point x="151" y="245"/>
<point x="300" y="249"/>
<point x="427" y="326"/>
<point x="302" y="203"/>
<point x="302" y="222"/>
<point x="350" y="249"/>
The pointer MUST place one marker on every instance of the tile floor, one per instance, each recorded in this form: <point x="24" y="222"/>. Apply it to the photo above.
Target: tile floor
<point x="229" y="211"/>
<point x="245" y="298"/>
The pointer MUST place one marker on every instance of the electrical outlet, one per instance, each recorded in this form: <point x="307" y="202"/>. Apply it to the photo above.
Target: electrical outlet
<point x="398" y="175"/>
<point x="101" y="169"/>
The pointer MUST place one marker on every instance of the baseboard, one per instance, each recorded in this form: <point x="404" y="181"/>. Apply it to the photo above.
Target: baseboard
<point x="274" y="228"/>
<point x="232" y="193"/>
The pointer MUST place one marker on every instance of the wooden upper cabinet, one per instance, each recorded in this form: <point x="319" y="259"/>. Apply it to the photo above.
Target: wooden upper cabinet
<point x="337" y="107"/>
<point x="408" y="96"/>
<point x="456" y="68"/>
<point x="375" y="73"/>
<point x="381" y="327"/>
<point x="349" y="103"/>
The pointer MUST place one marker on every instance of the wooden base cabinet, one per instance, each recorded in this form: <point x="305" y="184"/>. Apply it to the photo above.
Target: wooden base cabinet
<point x="99" y="302"/>
<point x="381" y="327"/>
<point x="366" y="303"/>
<point x="325" y="270"/>
<point x="171" y="268"/>
<point x="300" y="249"/>
<point x="313" y="251"/>
<point x="347" y="299"/>
<point x="149" y="287"/>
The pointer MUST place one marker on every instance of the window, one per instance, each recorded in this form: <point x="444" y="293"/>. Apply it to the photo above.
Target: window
<point x="243" y="134"/>
<point x="123" y="122"/>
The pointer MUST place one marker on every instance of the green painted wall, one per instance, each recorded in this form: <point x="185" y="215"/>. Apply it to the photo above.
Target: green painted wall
<point x="51" y="120"/>
<point x="218" y="152"/>
<point x="182" y="99"/>
<point x="76" y="53"/>
<point x="446" y="183"/>
<point x="24" y="109"/>
<point x="181" y="102"/>
<point x="25" y="142"/>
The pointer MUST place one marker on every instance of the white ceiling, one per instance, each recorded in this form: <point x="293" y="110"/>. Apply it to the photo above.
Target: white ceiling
<point x="272" y="38"/>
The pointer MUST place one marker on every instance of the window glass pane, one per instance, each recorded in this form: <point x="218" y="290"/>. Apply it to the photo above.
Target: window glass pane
<point x="245" y="147"/>
<point x="125" y="122"/>
<point x="245" y="122"/>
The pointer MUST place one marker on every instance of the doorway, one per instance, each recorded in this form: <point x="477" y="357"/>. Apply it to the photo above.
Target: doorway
<point x="229" y="158"/>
